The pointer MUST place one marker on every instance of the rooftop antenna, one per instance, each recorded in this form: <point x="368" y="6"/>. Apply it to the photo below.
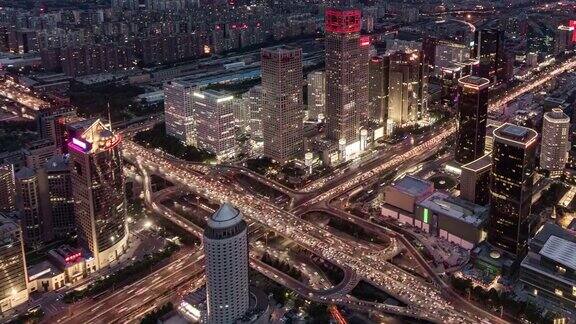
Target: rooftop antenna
<point x="109" y="116"/>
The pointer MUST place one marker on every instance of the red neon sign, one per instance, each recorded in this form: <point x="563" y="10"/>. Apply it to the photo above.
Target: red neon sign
<point x="73" y="257"/>
<point x="364" y="40"/>
<point x="572" y="23"/>
<point x="343" y="21"/>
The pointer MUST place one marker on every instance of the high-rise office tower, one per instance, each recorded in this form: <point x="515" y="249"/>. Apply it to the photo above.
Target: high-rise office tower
<point x="7" y="188"/>
<point x="254" y="97"/>
<point x="36" y="229"/>
<point x="407" y="89"/>
<point x="346" y="74"/>
<point x="316" y="94"/>
<point x="555" y="142"/>
<point x="475" y="180"/>
<point x="47" y="118"/>
<point x="13" y="277"/>
<point x="511" y="185"/>
<point x="214" y="118"/>
<point x="38" y="152"/>
<point x="179" y="111"/>
<point x="98" y="190"/>
<point x="226" y="251"/>
<point x="489" y="51"/>
<point x="563" y="39"/>
<point x="473" y="113"/>
<point x="282" y="113"/>
<point x="57" y="189"/>
<point x="379" y="68"/>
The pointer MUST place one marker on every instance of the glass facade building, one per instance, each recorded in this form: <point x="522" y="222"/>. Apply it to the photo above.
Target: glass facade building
<point x="511" y="185"/>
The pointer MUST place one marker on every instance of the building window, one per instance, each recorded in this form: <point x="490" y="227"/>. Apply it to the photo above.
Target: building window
<point x="558" y="292"/>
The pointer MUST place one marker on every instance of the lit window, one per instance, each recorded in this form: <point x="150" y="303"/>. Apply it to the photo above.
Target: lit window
<point x="558" y="292"/>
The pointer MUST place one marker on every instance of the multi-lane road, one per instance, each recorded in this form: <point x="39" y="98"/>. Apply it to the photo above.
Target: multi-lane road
<point x="425" y="300"/>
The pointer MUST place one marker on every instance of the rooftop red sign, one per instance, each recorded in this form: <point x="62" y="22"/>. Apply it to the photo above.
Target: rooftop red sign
<point x="343" y="21"/>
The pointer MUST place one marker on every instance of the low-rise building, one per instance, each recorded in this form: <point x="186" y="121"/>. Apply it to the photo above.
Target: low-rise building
<point x="65" y="265"/>
<point x="406" y="192"/>
<point x="453" y="219"/>
<point x="548" y="272"/>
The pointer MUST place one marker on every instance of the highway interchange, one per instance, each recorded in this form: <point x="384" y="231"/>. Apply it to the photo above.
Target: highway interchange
<point x="435" y="302"/>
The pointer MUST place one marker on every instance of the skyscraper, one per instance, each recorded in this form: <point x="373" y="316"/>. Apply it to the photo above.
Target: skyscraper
<point x="282" y="114"/>
<point x="226" y="251"/>
<point x="473" y="113"/>
<point x="475" y="180"/>
<point x="511" y="185"/>
<point x="7" y="188"/>
<point x="379" y="68"/>
<point x="179" y="111"/>
<point x="316" y="94"/>
<point x="346" y="74"/>
<point x="489" y="51"/>
<point x="555" y="142"/>
<point x="13" y="277"/>
<point x="254" y="97"/>
<point x="98" y="190"/>
<point x="214" y="118"/>
<point x="406" y="95"/>
<point x="58" y="192"/>
<point x="36" y="229"/>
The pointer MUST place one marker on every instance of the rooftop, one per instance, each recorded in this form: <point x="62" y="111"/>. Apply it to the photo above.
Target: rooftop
<point x="561" y="251"/>
<point x="479" y="164"/>
<point x="515" y="133"/>
<point x="453" y="207"/>
<point x="413" y="186"/>
<point x="474" y="81"/>
<point x="548" y="230"/>
<point x="57" y="164"/>
<point x="226" y="216"/>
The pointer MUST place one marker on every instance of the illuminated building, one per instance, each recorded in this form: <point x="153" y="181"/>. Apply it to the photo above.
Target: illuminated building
<point x="226" y="250"/>
<point x="489" y="51"/>
<point x="511" y="185"/>
<point x="555" y="142"/>
<point x="58" y="191"/>
<point x="452" y="219"/>
<point x="282" y="114"/>
<point x="475" y="180"/>
<point x="98" y="190"/>
<point x="572" y="23"/>
<point x="13" y="277"/>
<point x="7" y="188"/>
<point x="316" y="94"/>
<point x="346" y="74"/>
<point x="214" y="118"/>
<point x="36" y="229"/>
<point x="254" y="98"/>
<point x="179" y="111"/>
<point x="379" y="69"/>
<point x="407" y="87"/>
<point x="548" y="271"/>
<point x="473" y="113"/>
<point x="38" y="152"/>
<point x="47" y="120"/>
<point x="563" y="39"/>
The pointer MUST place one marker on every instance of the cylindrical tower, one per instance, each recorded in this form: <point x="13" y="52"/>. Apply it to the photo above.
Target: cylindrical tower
<point x="226" y="252"/>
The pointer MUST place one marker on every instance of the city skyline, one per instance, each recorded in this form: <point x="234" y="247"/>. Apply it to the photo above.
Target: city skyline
<point x="243" y="161"/>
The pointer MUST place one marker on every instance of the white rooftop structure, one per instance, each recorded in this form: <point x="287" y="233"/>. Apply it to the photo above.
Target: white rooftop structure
<point x="457" y="208"/>
<point x="226" y="216"/>
<point x="561" y="251"/>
